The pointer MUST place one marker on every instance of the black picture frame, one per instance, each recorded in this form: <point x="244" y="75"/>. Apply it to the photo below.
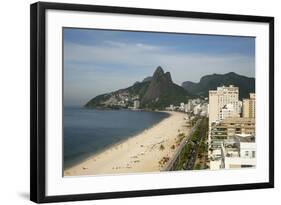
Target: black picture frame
<point x="38" y="100"/>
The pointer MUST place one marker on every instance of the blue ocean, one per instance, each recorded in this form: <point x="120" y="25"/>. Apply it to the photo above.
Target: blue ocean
<point x="89" y="131"/>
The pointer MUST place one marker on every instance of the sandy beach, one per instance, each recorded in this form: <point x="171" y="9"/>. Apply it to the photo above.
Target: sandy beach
<point x="148" y="151"/>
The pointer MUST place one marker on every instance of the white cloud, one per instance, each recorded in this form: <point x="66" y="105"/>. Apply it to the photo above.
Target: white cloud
<point x="191" y="66"/>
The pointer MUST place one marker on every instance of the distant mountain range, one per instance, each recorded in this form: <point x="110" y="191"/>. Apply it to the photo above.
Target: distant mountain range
<point x="211" y="82"/>
<point x="159" y="91"/>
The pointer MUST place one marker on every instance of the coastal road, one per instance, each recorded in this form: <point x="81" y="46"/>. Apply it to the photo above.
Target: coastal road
<point x="171" y="164"/>
<point x="189" y="165"/>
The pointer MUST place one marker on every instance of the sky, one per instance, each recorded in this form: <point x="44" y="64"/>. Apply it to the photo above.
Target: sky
<point x="101" y="61"/>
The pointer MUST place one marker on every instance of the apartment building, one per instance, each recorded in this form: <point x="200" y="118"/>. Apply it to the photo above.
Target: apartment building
<point x="249" y="106"/>
<point x="219" y="99"/>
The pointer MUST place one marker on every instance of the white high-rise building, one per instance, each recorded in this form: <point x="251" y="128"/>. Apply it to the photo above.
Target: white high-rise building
<point x="136" y="104"/>
<point x="186" y="107"/>
<point x="181" y="106"/>
<point x="197" y="109"/>
<point x="221" y="97"/>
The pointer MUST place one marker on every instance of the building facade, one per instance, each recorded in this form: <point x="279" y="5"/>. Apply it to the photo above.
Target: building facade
<point x="228" y="111"/>
<point x="221" y="97"/>
<point x="233" y="126"/>
<point x="249" y="106"/>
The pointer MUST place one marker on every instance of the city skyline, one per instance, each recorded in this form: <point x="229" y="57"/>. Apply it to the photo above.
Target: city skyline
<point x="100" y="61"/>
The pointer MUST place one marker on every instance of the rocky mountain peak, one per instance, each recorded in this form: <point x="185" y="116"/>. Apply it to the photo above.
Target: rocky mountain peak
<point x="160" y="76"/>
<point x="158" y="72"/>
<point x="168" y="76"/>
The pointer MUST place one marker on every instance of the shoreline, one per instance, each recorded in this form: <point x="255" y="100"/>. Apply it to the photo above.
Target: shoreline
<point x="122" y="140"/>
<point x="141" y="152"/>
